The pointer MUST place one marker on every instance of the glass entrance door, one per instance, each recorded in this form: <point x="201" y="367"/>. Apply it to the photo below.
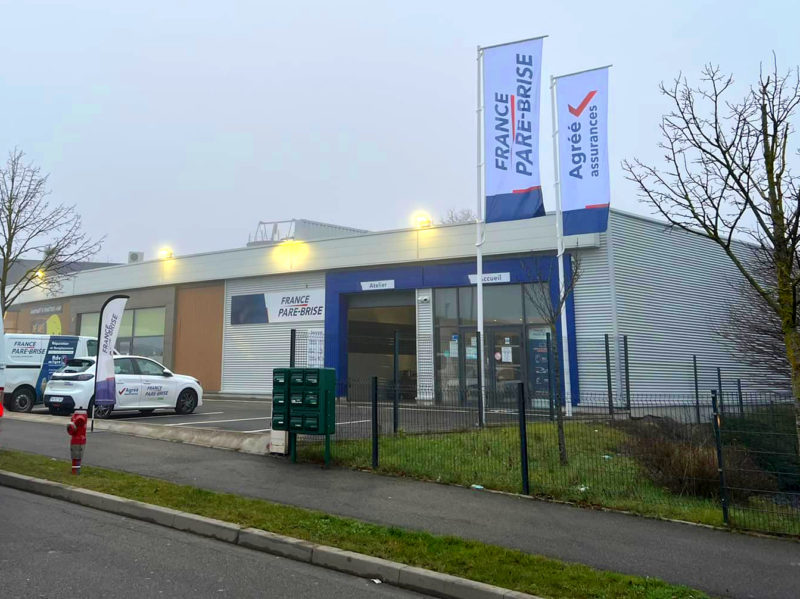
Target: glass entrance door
<point x="506" y="354"/>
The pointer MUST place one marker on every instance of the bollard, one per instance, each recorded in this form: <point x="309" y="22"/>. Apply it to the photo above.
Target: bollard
<point x="77" y="432"/>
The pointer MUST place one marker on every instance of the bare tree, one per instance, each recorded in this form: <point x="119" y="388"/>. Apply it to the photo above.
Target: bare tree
<point x="753" y="329"/>
<point x="33" y="229"/>
<point x="538" y="295"/>
<point x="728" y="177"/>
<point x="455" y="216"/>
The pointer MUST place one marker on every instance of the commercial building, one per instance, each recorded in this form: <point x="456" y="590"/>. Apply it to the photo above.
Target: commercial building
<point x="225" y="317"/>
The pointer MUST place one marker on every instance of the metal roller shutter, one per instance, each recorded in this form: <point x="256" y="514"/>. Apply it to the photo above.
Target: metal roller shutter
<point x="250" y="352"/>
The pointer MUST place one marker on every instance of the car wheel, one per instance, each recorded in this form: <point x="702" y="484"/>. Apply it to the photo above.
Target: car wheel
<point x="146" y="412"/>
<point x="100" y="412"/>
<point x="23" y="399"/>
<point x="187" y="402"/>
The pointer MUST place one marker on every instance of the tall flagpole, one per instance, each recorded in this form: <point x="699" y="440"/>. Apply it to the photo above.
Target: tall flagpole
<point x="560" y="253"/>
<point x="479" y="239"/>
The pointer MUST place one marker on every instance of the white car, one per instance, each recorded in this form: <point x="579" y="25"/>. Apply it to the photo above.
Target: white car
<point x="142" y="384"/>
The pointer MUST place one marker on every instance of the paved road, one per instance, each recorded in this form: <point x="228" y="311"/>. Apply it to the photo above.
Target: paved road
<point x="721" y="563"/>
<point x="51" y="548"/>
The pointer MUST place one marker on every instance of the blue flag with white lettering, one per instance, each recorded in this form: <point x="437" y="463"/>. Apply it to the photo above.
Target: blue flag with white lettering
<point x="512" y="75"/>
<point x="582" y="108"/>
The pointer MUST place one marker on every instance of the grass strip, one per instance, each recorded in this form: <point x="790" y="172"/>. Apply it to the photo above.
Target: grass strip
<point x="599" y="473"/>
<point x="452" y="555"/>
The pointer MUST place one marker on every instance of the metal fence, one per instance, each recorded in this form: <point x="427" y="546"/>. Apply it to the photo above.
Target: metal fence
<point x="724" y="456"/>
<point x="670" y="456"/>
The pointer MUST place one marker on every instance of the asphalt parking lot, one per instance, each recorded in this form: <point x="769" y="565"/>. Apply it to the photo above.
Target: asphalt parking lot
<point x="353" y="420"/>
<point x="241" y="415"/>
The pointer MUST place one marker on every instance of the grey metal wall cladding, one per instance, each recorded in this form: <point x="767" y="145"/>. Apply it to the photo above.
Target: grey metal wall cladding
<point x="593" y="317"/>
<point x="672" y="288"/>
<point x="250" y="352"/>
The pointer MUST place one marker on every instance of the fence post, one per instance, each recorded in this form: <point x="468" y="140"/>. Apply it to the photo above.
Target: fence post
<point x="551" y="390"/>
<point x="739" y="393"/>
<point x="723" y="490"/>
<point x="608" y="379"/>
<point x="696" y="389"/>
<point x="396" y="403"/>
<point x="373" y="395"/>
<point x="627" y="375"/>
<point x="523" y="438"/>
<point x="719" y="390"/>
<point x="479" y="360"/>
<point x="292" y="346"/>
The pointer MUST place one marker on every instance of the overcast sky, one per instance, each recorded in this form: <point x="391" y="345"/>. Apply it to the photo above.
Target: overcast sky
<point x="185" y="123"/>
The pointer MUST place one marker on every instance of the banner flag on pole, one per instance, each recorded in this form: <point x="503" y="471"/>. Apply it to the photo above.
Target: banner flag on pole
<point x="512" y="76"/>
<point x="582" y="109"/>
<point x="105" y="389"/>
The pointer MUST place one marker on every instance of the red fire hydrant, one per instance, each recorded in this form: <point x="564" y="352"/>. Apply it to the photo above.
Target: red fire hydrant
<point x="77" y="430"/>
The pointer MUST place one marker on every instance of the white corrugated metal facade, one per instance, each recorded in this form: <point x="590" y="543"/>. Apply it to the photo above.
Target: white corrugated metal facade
<point x="672" y="287"/>
<point x="251" y="351"/>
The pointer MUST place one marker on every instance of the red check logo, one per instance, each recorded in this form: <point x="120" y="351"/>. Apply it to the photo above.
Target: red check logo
<point x="121" y="391"/>
<point x="582" y="106"/>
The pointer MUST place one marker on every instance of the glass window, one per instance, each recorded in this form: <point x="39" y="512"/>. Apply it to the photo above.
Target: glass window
<point x="124" y="366"/>
<point x="124" y="345"/>
<point x="149" y="347"/>
<point x="91" y="347"/>
<point x="149" y="368"/>
<point x="445" y="305"/>
<point x="467" y="305"/>
<point x="126" y="326"/>
<point x="502" y="304"/>
<point x="77" y="365"/>
<point x="537" y="302"/>
<point x="90" y="322"/>
<point x="149" y="322"/>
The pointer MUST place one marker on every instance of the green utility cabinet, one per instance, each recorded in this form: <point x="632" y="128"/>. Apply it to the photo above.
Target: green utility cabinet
<point x="304" y="403"/>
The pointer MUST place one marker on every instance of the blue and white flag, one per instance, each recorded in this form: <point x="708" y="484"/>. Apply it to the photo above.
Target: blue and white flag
<point x="582" y="109"/>
<point x="512" y="76"/>
<point x="110" y="321"/>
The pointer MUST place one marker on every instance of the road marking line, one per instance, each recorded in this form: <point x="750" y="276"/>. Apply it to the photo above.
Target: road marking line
<point x="260" y="430"/>
<point x="175" y="415"/>
<point x="353" y="422"/>
<point x="264" y="401"/>
<point x="203" y="422"/>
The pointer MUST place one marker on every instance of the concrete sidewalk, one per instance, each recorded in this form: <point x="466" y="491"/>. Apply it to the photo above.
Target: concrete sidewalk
<point x="721" y="563"/>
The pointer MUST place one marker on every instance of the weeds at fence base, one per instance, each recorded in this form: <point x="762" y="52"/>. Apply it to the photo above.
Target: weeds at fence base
<point x="601" y="471"/>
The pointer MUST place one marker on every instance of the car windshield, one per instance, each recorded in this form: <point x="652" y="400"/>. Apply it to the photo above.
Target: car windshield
<point x="77" y="365"/>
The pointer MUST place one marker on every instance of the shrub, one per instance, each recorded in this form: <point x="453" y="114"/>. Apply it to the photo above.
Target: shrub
<point x="769" y="434"/>
<point x="683" y="459"/>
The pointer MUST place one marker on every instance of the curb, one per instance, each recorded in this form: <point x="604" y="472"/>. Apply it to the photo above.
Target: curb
<point x="349" y="562"/>
<point x="252" y="443"/>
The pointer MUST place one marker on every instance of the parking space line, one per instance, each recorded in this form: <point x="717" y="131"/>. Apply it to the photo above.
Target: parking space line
<point x="260" y="430"/>
<point x="177" y="415"/>
<point x="256" y="401"/>
<point x="216" y="421"/>
<point x="353" y="422"/>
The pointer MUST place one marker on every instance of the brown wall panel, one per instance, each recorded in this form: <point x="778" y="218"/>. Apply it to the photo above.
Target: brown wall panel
<point x="198" y="334"/>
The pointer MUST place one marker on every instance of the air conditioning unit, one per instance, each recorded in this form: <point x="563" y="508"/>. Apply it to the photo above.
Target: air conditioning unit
<point x="135" y="257"/>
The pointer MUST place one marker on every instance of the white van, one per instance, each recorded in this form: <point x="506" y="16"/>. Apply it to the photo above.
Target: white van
<point x="30" y="360"/>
